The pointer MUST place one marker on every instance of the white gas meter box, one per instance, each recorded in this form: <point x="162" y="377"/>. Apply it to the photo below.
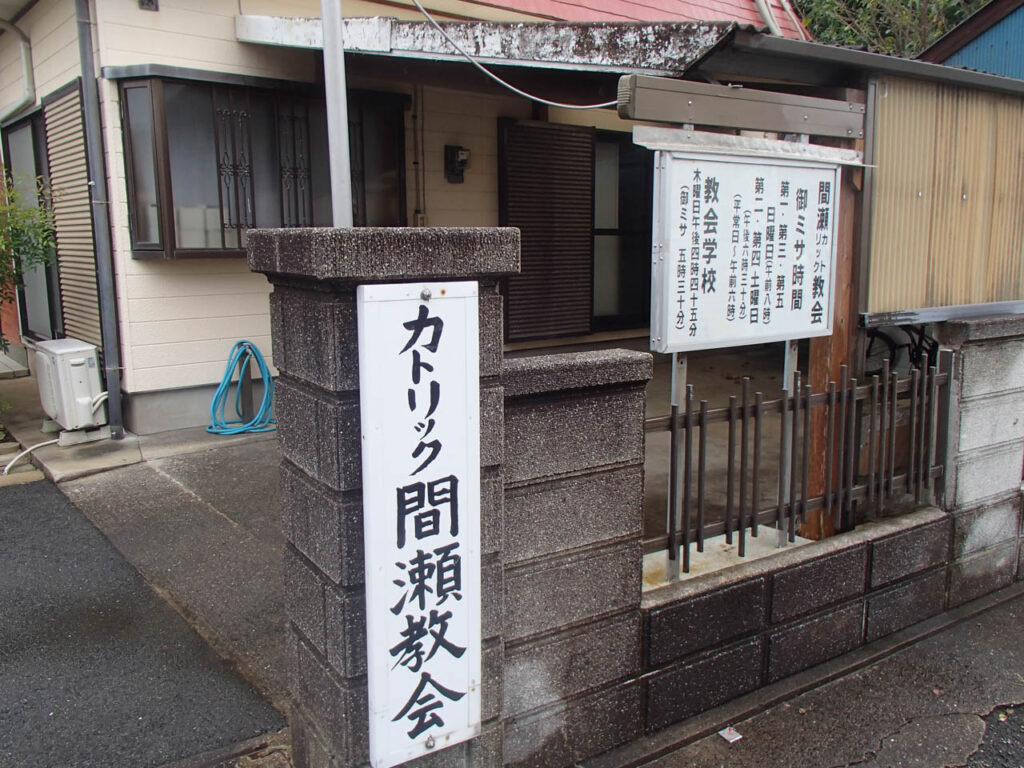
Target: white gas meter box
<point x="68" y="374"/>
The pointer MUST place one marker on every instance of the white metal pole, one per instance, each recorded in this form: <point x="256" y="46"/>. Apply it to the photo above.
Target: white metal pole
<point x="337" y="113"/>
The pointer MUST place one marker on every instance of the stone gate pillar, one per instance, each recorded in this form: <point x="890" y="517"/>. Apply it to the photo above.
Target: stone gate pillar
<point x="313" y="312"/>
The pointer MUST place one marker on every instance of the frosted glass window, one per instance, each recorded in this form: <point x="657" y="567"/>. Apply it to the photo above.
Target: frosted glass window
<point x="606" y="185"/>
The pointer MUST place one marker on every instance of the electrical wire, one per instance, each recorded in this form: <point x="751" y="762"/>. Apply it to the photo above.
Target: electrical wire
<point x="26" y="452"/>
<point x="497" y="79"/>
<point x="241" y="354"/>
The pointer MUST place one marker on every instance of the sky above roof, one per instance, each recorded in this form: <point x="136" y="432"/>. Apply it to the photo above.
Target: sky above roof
<point x="742" y="11"/>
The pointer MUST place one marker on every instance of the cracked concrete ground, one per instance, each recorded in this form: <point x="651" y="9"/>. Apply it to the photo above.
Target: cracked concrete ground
<point x="923" y="707"/>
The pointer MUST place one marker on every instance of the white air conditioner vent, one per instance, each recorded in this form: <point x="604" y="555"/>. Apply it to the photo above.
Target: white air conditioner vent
<point x="68" y="374"/>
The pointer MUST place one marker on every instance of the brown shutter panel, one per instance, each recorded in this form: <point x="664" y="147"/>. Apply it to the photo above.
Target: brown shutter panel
<point x="69" y="179"/>
<point x="547" y="191"/>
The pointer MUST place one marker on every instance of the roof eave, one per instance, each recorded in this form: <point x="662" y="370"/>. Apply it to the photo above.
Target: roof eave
<point x="664" y="48"/>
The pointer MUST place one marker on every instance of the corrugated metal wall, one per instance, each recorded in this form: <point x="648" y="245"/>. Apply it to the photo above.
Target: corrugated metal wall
<point x="69" y="179"/>
<point x="948" y="208"/>
<point x="999" y="49"/>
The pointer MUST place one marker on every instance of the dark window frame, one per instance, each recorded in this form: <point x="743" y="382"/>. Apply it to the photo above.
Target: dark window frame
<point x="287" y="105"/>
<point x="34" y="121"/>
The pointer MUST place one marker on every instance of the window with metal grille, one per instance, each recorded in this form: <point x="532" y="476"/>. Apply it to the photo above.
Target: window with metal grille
<point x="208" y="162"/>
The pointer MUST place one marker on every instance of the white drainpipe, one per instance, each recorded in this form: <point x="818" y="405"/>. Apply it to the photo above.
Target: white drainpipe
<point x="28" y="93"/>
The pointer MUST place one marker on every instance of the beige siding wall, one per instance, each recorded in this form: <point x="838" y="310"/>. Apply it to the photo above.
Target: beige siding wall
<point x="180" y="318"/>
<point x="50" y="26"/>
<point x="948" y="208"/>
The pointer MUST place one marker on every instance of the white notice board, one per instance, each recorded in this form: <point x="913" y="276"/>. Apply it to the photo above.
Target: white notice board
<point x="419" y="375"/>
<point x="744" y="250"/>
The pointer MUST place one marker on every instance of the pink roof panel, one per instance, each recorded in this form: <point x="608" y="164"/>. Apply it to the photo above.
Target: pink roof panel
<point x="742" y="11"/>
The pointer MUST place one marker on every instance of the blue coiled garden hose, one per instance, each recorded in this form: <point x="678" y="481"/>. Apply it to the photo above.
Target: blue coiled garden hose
<point x="241" y="353"/>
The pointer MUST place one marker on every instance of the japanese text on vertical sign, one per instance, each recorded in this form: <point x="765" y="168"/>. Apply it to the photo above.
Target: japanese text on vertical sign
<point x="752" y="251"/>
<point x="419" y="405"/>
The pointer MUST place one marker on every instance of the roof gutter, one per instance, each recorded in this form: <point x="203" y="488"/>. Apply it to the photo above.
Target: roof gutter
<point x="28" y="91"/>
<point x="833" y="56"/>
<point x="98" y="200"/>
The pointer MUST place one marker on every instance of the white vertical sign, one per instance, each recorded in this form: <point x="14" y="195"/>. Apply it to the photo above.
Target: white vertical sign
<point x="419" y="380"/>
<point x="744" y="250"/>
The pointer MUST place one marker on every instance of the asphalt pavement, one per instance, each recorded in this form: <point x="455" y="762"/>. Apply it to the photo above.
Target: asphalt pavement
<point x="95" y="668"/>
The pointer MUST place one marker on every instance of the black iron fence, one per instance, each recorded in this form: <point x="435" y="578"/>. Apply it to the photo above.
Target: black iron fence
<point x="852" y="453"/>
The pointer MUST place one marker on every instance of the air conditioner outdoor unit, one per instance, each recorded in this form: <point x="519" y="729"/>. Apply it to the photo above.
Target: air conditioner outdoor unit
<point x="68" y="374"/>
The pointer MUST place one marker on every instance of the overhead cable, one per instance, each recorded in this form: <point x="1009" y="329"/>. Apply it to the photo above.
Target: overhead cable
<point x="497" y="79"/>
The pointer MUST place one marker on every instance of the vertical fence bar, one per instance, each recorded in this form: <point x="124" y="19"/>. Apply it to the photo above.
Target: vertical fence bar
<point x="872" y="453"/>
<point x="780" y="512"/>
<point x="731" y="474"/>
<point x="883" y="439"/>
<point x="794" y="455"/>
<point x="911" y="457"/>
<point x="805" y="470"/>
<point x="687" y="476"/>
<point x="933" y="413"/>
<point x="672" y="561"/>
<point x="943" y="404"/>
<point x="892" y="434"/>
<point x="830" y="434"/>
<point x="851" y="454"/>
<point x="741" y="523"/>
<point x="922" y="442"/>
<point x="701" y="467"/>
<point x="756" y="493"/>
<point x="841" y="443"/>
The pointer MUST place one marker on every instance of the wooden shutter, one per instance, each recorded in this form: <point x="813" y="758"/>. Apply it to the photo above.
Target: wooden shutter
<point x="547" y="191"/>
<point x="69" y="180"/>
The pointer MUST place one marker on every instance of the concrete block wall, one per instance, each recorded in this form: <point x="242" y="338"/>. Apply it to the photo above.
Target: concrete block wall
<point x="313" y="315"/>
<point x="717" y="637"/>
<point x="986" y="454"/>
<point x="574" y="451"/>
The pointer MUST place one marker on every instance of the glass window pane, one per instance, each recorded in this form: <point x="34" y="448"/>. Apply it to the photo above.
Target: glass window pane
<point x="383" y="138"/>
<point x="193" y="158"/>
<point x="606" y="275"/>
<point x="320" y="167"/>
<point x="266" y="160"/>
<point x="145" y="218"/>
<point x="606" y="185"/>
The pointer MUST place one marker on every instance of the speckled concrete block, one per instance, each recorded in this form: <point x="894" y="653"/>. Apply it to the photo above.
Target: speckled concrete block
<point x="492" y="321"/>
<point x="345" y="620"/>
<point x="992" y="420"/>
<point x="683" y="690"/>
<point x="988" y="474"/>
<point x="336" y="708"/>
<point x="978" y="529"/>
<point x="492" y="420"/>
<point x="568" y="663"/>
<point x="896" y="557"/>
<point x="821" y="582"/>
<point x="541" y="596"/>
<point x="550" y="517"/>
<point x="547" y="436"/>
<point x="696" y="623"/>
<point x="569" y="732"/>
<point x="305" y="603"/>
<point x="325" y="526"/>
<point x="315" y="337"/>
<point x="905" y="604"/>
<point x="982" y="573"/>
<point x="371" y="254"/>
<point x="992" y="366"/>
<point x="796" y="647"/>
<point x="319" y="434"/>
<point x="562" y="372"/>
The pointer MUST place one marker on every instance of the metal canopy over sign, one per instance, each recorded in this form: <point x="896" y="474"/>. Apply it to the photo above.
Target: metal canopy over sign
<point x="744" y="250"/>
<point x="419" y="375"/>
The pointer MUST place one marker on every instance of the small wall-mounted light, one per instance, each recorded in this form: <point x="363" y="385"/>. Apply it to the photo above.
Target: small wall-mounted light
<point x="149" y="5"/>
<point x="455" y="161"/>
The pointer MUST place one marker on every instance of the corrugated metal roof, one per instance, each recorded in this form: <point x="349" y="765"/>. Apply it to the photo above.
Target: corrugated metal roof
<point x="742" y="11"/>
